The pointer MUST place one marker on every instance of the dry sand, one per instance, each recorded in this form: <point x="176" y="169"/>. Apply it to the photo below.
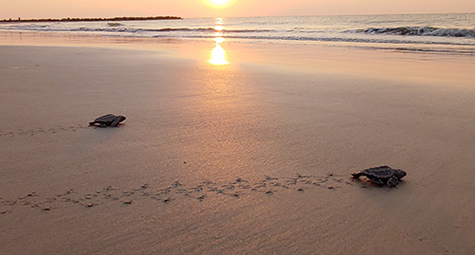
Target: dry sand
<point x="249" y="158"/>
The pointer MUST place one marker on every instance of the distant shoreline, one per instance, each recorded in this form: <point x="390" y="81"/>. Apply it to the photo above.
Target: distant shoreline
<point x="92" y="19"/>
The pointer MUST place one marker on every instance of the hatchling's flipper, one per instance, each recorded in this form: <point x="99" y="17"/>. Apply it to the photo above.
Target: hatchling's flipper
<point x="115" y="123"/>
<point x="378" y="181"/>
<point x="392" y="182"/>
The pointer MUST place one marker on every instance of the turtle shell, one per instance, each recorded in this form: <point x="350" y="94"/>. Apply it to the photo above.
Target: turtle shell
<point x="109" y="118"/>
<point x="381" y="172"/>
<point x="382" y="175"/>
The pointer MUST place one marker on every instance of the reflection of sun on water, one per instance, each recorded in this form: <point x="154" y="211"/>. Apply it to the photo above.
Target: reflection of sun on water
<point x="218" y="40"/>
<point x="218" y="54"/>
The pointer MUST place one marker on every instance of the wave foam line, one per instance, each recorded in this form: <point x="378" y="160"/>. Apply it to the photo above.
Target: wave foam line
<point x="419" y="31"/>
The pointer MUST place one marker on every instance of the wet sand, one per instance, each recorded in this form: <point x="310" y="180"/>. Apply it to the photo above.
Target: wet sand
<point x="253" y="157"/>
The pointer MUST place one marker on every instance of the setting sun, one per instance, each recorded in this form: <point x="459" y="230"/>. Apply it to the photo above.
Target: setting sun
<point x="219" y="3"/>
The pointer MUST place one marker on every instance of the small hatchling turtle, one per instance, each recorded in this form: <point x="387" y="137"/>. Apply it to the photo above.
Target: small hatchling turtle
<point x="382" y="175"/>
<point x="108" y="120"/>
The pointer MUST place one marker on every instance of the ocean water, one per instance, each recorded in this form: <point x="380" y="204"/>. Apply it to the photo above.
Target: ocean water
<point x="437" y="33"/>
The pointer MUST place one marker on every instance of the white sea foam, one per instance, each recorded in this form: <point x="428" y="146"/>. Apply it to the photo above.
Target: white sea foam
<point x="419" y="31"/>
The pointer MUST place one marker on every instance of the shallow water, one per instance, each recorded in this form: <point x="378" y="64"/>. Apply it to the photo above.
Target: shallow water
<point x="437" y="33"/>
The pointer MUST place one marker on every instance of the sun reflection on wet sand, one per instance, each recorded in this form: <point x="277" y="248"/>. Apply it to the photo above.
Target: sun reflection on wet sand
<point x="218" y="54"/>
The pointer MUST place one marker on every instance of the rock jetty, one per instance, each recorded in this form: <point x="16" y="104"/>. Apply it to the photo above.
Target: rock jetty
<point x="91" y="19"/>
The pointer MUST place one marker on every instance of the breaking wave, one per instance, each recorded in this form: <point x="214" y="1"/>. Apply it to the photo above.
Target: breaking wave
<point x="419" y="31"/>
<point x="119" y="27"/>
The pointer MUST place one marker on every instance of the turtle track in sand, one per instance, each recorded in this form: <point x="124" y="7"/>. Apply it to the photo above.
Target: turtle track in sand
<point x="176" y="191"/>
<point x="41" y="130"/>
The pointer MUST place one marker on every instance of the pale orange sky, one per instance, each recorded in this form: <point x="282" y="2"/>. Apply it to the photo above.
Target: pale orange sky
<point x="240" y="8"/>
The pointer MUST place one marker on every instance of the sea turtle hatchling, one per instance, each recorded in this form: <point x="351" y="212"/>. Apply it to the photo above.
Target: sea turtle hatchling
<point x="108" y="120"/>
<point x="382" y="175"/>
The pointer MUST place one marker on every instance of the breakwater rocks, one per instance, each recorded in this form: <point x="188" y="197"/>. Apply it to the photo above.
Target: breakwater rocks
<point x="176" y="191"/>
<point x="92" y="19"/>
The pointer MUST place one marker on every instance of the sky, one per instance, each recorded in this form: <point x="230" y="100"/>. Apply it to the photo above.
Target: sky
<point x="238" y="8"/>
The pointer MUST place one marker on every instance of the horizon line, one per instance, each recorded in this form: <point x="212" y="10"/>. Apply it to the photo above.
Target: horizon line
<point x="180" y="17"/>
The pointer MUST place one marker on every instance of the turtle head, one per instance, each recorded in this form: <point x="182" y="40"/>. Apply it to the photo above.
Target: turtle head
<point x="121" y="118"/>
<point x="117" y="120"/>
<point x="398" y="173"/>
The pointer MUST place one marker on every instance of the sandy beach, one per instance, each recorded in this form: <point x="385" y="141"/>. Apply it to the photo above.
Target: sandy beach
<point x="252" y="157"/>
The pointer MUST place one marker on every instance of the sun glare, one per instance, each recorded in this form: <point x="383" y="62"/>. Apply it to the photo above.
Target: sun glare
<point x="219" y="3"/>
<point x="218" y="54"/>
